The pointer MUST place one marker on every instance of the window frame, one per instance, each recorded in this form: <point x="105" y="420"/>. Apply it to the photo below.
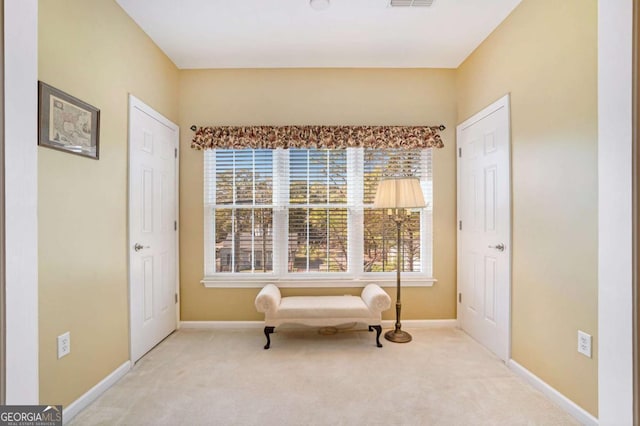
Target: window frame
<point x="353" y="277"/>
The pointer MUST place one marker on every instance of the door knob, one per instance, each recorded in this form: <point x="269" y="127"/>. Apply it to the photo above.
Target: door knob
<point x="499" y="247"/>
<point x="139" y="247"/>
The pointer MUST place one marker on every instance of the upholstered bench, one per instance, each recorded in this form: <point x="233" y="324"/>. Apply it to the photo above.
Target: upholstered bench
<point x="322" y="310"/>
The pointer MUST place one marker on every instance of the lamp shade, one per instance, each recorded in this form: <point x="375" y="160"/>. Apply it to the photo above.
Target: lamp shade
<point x="399" y="192"/>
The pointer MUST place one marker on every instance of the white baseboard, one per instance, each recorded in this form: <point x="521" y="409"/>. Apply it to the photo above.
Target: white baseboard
<point x="221" y="324"/>
<point x="565" y="403"/>
<point x="71" y="410"/>
<point x="447" y="323"/>
<point x="260" y="324"/>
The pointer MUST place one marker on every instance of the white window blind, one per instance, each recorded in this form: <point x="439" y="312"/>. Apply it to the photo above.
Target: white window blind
<point x="307" y="212"/>
<point x="317" y="211"/>
<point x="239" y="211"/>
<point x="380" y="239"/>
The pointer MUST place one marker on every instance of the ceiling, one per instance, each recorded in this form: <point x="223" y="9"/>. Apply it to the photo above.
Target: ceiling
<point x="291" y="34"/>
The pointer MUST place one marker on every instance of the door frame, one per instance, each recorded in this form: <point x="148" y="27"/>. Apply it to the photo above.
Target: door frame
<point x="503" y="102"/>
<point x="21" y="201"/>
<point x="615" y="212"/>
<point x="3" y="280"/>
<point x="136" y="103"/>
<point x="636" y="211"/>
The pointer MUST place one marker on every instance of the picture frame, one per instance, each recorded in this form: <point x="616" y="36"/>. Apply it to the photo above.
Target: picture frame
<point x="66" y="123"/>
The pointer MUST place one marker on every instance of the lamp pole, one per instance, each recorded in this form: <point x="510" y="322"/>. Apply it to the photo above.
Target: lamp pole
<point x="397" y="335"/>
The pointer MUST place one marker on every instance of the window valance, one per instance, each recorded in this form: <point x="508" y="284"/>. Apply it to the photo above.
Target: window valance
<point x="330" y="137"/>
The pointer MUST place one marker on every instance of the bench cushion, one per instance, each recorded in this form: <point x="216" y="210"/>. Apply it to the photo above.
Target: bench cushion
<point x="323" y="307"/>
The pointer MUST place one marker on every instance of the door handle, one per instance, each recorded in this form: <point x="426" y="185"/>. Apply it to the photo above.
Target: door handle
<point x="139" y="247"/>
<point x="499" y="247"/>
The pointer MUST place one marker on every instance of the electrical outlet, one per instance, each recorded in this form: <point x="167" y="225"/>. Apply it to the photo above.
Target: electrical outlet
<point x="584" y="343"/>
<point x="64" y="344"/>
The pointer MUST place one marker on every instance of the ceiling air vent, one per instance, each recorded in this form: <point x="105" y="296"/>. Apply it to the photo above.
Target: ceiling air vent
<point x="410" y="3"/>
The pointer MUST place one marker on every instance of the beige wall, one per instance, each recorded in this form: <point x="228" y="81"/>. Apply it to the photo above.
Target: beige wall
<point x="545" y="55"/>
<point x="315" y="96"/>
<point x="94" y="51"/>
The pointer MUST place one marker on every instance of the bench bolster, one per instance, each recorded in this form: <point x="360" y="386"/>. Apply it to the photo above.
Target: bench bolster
<point x="376" y="299"/>
<point x="268" y="300"/>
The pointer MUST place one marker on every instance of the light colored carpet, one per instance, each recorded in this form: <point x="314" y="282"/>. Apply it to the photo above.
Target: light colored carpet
<point x="224" y="377"/>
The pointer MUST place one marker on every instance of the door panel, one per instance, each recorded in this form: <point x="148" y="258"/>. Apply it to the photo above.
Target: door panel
<point x="147" y="279"/>
<point x="490" y="199"/>
<point x="484" y="234"/>
<point x="165" y="276"/>
<point x="147" y="201"/>
<point x="490" y="289"/>
<point x="152" y="235"/>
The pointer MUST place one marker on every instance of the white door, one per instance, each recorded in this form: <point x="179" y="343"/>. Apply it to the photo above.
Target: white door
<point x="153" y="142"/>
<point x="484" y="227"/>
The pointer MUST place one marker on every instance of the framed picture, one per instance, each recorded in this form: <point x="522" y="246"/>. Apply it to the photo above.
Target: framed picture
<point x="67" y="123"/>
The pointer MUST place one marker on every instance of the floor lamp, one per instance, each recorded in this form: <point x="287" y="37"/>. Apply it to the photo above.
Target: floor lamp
<point x="397" y="195"/>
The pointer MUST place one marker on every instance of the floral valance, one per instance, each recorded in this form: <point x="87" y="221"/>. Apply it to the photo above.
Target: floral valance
<point x="332" y="137"/>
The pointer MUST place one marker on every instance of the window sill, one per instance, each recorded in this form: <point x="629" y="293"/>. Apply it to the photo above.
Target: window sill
<point x="314" y="282"/>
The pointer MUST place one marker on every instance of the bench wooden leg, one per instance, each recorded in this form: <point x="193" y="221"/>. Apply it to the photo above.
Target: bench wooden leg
<point x="378" y="329"/>
<point x="268" y="331"/>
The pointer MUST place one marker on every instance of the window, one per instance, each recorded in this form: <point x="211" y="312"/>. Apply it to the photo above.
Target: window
<point x="317" y="231"/>
<point x="307" y="213"/>
<point x="239" y="222"/>
<point x="380" y="239"/>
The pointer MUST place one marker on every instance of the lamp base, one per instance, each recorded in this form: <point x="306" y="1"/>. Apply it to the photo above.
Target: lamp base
<point x="397" y="336"/>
